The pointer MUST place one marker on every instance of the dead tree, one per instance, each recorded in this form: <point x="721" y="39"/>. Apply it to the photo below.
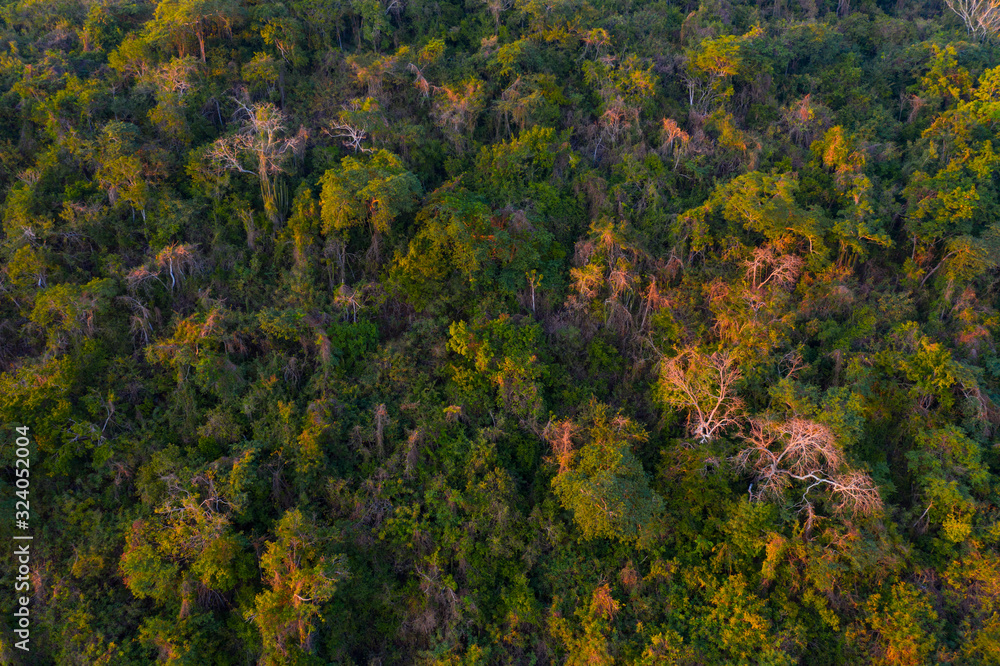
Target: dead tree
<point x="765" y="265"/>
<point x="175" y="259"/>
<point x="981" y="17"/>
<point x="260" y="148"/>
<point x="352" y="136"/>
<point x="559" y="435"/>
<point x="798" y="451"/>
<point x="704" y="385"/>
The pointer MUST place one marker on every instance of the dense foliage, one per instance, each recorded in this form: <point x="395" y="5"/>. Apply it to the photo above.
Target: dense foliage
<point x="504" y="331"/>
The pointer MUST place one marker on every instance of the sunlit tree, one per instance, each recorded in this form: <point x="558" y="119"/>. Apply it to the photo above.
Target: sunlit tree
<point x="260" y="147"/>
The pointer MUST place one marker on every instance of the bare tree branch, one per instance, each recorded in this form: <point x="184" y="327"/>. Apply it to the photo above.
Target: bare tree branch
<point x="260" y="147"/>
<point x="781" y="453"/>
<point x="705" y="386"/>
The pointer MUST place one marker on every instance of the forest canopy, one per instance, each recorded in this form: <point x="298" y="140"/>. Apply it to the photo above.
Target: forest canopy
<point x="502" y="331"/>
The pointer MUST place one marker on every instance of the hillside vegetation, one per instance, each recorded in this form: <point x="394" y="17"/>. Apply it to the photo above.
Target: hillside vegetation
<point x="503" y="332"/>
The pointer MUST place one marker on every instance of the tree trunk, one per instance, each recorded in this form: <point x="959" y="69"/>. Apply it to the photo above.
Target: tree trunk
<point x="281" y="83"/>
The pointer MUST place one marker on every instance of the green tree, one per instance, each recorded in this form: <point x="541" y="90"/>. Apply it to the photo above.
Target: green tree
<point x="947" y="466"/>
<point x="499" y="358"/>
<point x="175" y="20"/>
<point x="189" y="542"/>
<point x="67" y="312"/>
<point x="899" y="628"/>
<point x="120" y="171"/>
<point x="301" y="580"/>
<point x="707" y="72"/>
<point x="600" y="480"/>
<point x="370" y="192"/>
<point x="463" y="248"/>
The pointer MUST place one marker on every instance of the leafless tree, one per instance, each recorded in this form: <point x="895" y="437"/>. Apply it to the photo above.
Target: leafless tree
<point x="395" y="7"/>
<point x="706" y="89"/>
<point x="373" y="74"/>
<point x="140" y="276"/>
<point x="419" y="81"/>
<point x="180" y="500"/>
<point x="139" y="325"/>
<point x="175" y="76"/>
<point x="778" y="454"/>
<point x="381" y="420"/>
<point x="351" y="300"/>
<point x="704" y="385"/>
<point x="336" y="250"/>
<point x="653" y="300"/>
<point x="352" y="136"/>
<point x="766" y="265"/>
<point x="518" y="102"/>
<point x="413" y="442"/>
<point x="261" y="145"/>
<point x="595" y="38"/>
<point x="559" y="435"/>
<point x="604" y="603"/>
<point x="617" y="119"/>
<point x="457" y="107"/>
<point x="175" y="259"/>
<point x="675" y="141"/>
<point x="981" y="17"/>
<point x="496" y="8"/>
<point x="249" y="225"/>
<point x="914" y="102"/>
<point x="587" y="280"/>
